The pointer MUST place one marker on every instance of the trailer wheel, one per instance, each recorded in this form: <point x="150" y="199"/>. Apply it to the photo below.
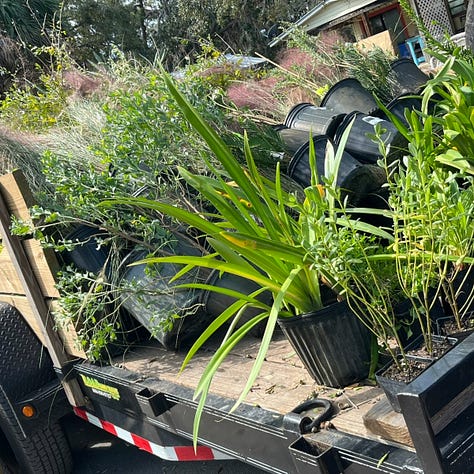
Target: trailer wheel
<point x="24" y="367"/>
<point x="4" y="469"/>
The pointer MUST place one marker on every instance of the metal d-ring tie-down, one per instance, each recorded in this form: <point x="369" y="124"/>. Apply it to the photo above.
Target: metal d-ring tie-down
<point x="309" y="424"/>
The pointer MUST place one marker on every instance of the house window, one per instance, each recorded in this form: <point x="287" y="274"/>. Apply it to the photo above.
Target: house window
<point x="457" y="9"/>
<point x="377" y="24"/>
<point x="388" y="19"/>
<point x="347" y="33"/>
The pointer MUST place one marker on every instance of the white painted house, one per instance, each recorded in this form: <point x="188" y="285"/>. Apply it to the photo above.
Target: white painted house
<point x="358" y="20"/>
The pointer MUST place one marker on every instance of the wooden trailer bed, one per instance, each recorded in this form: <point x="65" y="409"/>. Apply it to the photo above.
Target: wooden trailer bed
<point x="282" y="385"/>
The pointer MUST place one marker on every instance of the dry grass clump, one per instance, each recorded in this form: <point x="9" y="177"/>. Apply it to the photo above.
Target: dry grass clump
<point x="307" y="66"/>
<point x="22" y="151"/>
<point x="301" y="73"/>
<point x="82" y="85"/>
<point x="255" y="95"/>
<point x="273" y="95"/>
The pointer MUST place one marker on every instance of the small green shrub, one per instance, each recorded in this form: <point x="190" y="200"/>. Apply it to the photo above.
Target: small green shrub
<point x="35" y="107"/>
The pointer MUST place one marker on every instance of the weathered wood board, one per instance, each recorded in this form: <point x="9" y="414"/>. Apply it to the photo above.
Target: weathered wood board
<point x="44" y="264"/>
<point x="67" y="334"/>
<point x="384" y="422"/>
<point x="18" y="198"/>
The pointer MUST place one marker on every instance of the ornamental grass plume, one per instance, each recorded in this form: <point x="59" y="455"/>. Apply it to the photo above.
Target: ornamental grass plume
<point x="254" y="95"/>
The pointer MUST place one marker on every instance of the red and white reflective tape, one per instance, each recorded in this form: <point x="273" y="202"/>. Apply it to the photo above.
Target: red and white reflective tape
<point x="168" y="453"/>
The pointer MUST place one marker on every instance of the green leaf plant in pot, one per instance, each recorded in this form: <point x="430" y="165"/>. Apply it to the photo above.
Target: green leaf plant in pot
<point x="432" y="196"/>
<point x="362" y="265"/>
<point x="452" y="92"/>
<point x="256" y="233"/>
<point x="431" y="207"/>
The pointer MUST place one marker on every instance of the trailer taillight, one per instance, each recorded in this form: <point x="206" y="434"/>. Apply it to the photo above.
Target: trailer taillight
<point x="28" y="411"/>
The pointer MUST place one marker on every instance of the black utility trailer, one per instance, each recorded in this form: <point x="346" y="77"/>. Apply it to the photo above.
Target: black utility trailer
<point x="288" y="424"/>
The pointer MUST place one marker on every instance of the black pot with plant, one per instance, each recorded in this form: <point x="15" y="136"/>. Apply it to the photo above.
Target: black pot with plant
<point x="332" y="343"/>
<point x="397" y="375"/>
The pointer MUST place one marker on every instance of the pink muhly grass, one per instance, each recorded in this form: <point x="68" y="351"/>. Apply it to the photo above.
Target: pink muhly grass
<point x="254" y="95"/>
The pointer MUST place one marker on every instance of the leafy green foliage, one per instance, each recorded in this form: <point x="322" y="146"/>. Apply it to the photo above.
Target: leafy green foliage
<point x="96" y="29"/>
<point x="144" y="137"/>
<point x="35" y="107"/>
<point x="452" y="98"/>
<point x="123" y="142"/>
<point x="432" y="202"/>
<point x="172" y="29"/>
<point x="85" y="300"/>
<point x="257" y="231"/>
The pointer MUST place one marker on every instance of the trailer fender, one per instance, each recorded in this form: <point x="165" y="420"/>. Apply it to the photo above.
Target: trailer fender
<point x="25" y="366"/>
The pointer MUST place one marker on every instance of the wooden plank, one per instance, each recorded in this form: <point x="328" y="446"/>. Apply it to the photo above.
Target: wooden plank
<point x="37" y="303"/>
<point x="382" y="421"/>
<point x="45" y="266"/>
<point x="17" y="194"/>
<point x="350" y="419"/>
<point x="270" y="390"/>
<point x="18" y="199"/>
<point x="9" y="281"/>
<point x="43" y="262"/>
<point x="67" y="334"/>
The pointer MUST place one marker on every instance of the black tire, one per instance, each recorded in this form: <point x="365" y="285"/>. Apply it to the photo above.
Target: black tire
<point x="26" y="366"/>
<point x="4" y="469"/>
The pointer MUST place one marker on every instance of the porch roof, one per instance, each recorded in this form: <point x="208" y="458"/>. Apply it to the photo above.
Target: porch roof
<point x="325" y="12"/>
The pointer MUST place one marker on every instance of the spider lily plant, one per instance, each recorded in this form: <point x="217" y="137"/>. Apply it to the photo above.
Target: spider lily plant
<point x="257" y="231"/>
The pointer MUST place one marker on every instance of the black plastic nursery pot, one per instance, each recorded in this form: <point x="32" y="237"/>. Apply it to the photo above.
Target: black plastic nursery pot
<point x="89" y="254"/>
<point x="393" y="386"/>
<point x="153" y="301"/>
<point x="408" y="78"/>
<point x="401" y="105"/>
<point x="332" y="343"/>
<point x="448" y="326"/>
<point x="293" y="138"/>
<point x="411" y="331"/>
<point x="359" y="142"/>
<point x="348" y="95"/>
<point x="317" y="120"/>
<point x="355" y="179"/>
<point x="215" y="303"/>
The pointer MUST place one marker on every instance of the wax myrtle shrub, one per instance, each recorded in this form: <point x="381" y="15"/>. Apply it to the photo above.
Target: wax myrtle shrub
<point x="124" y="140"/>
